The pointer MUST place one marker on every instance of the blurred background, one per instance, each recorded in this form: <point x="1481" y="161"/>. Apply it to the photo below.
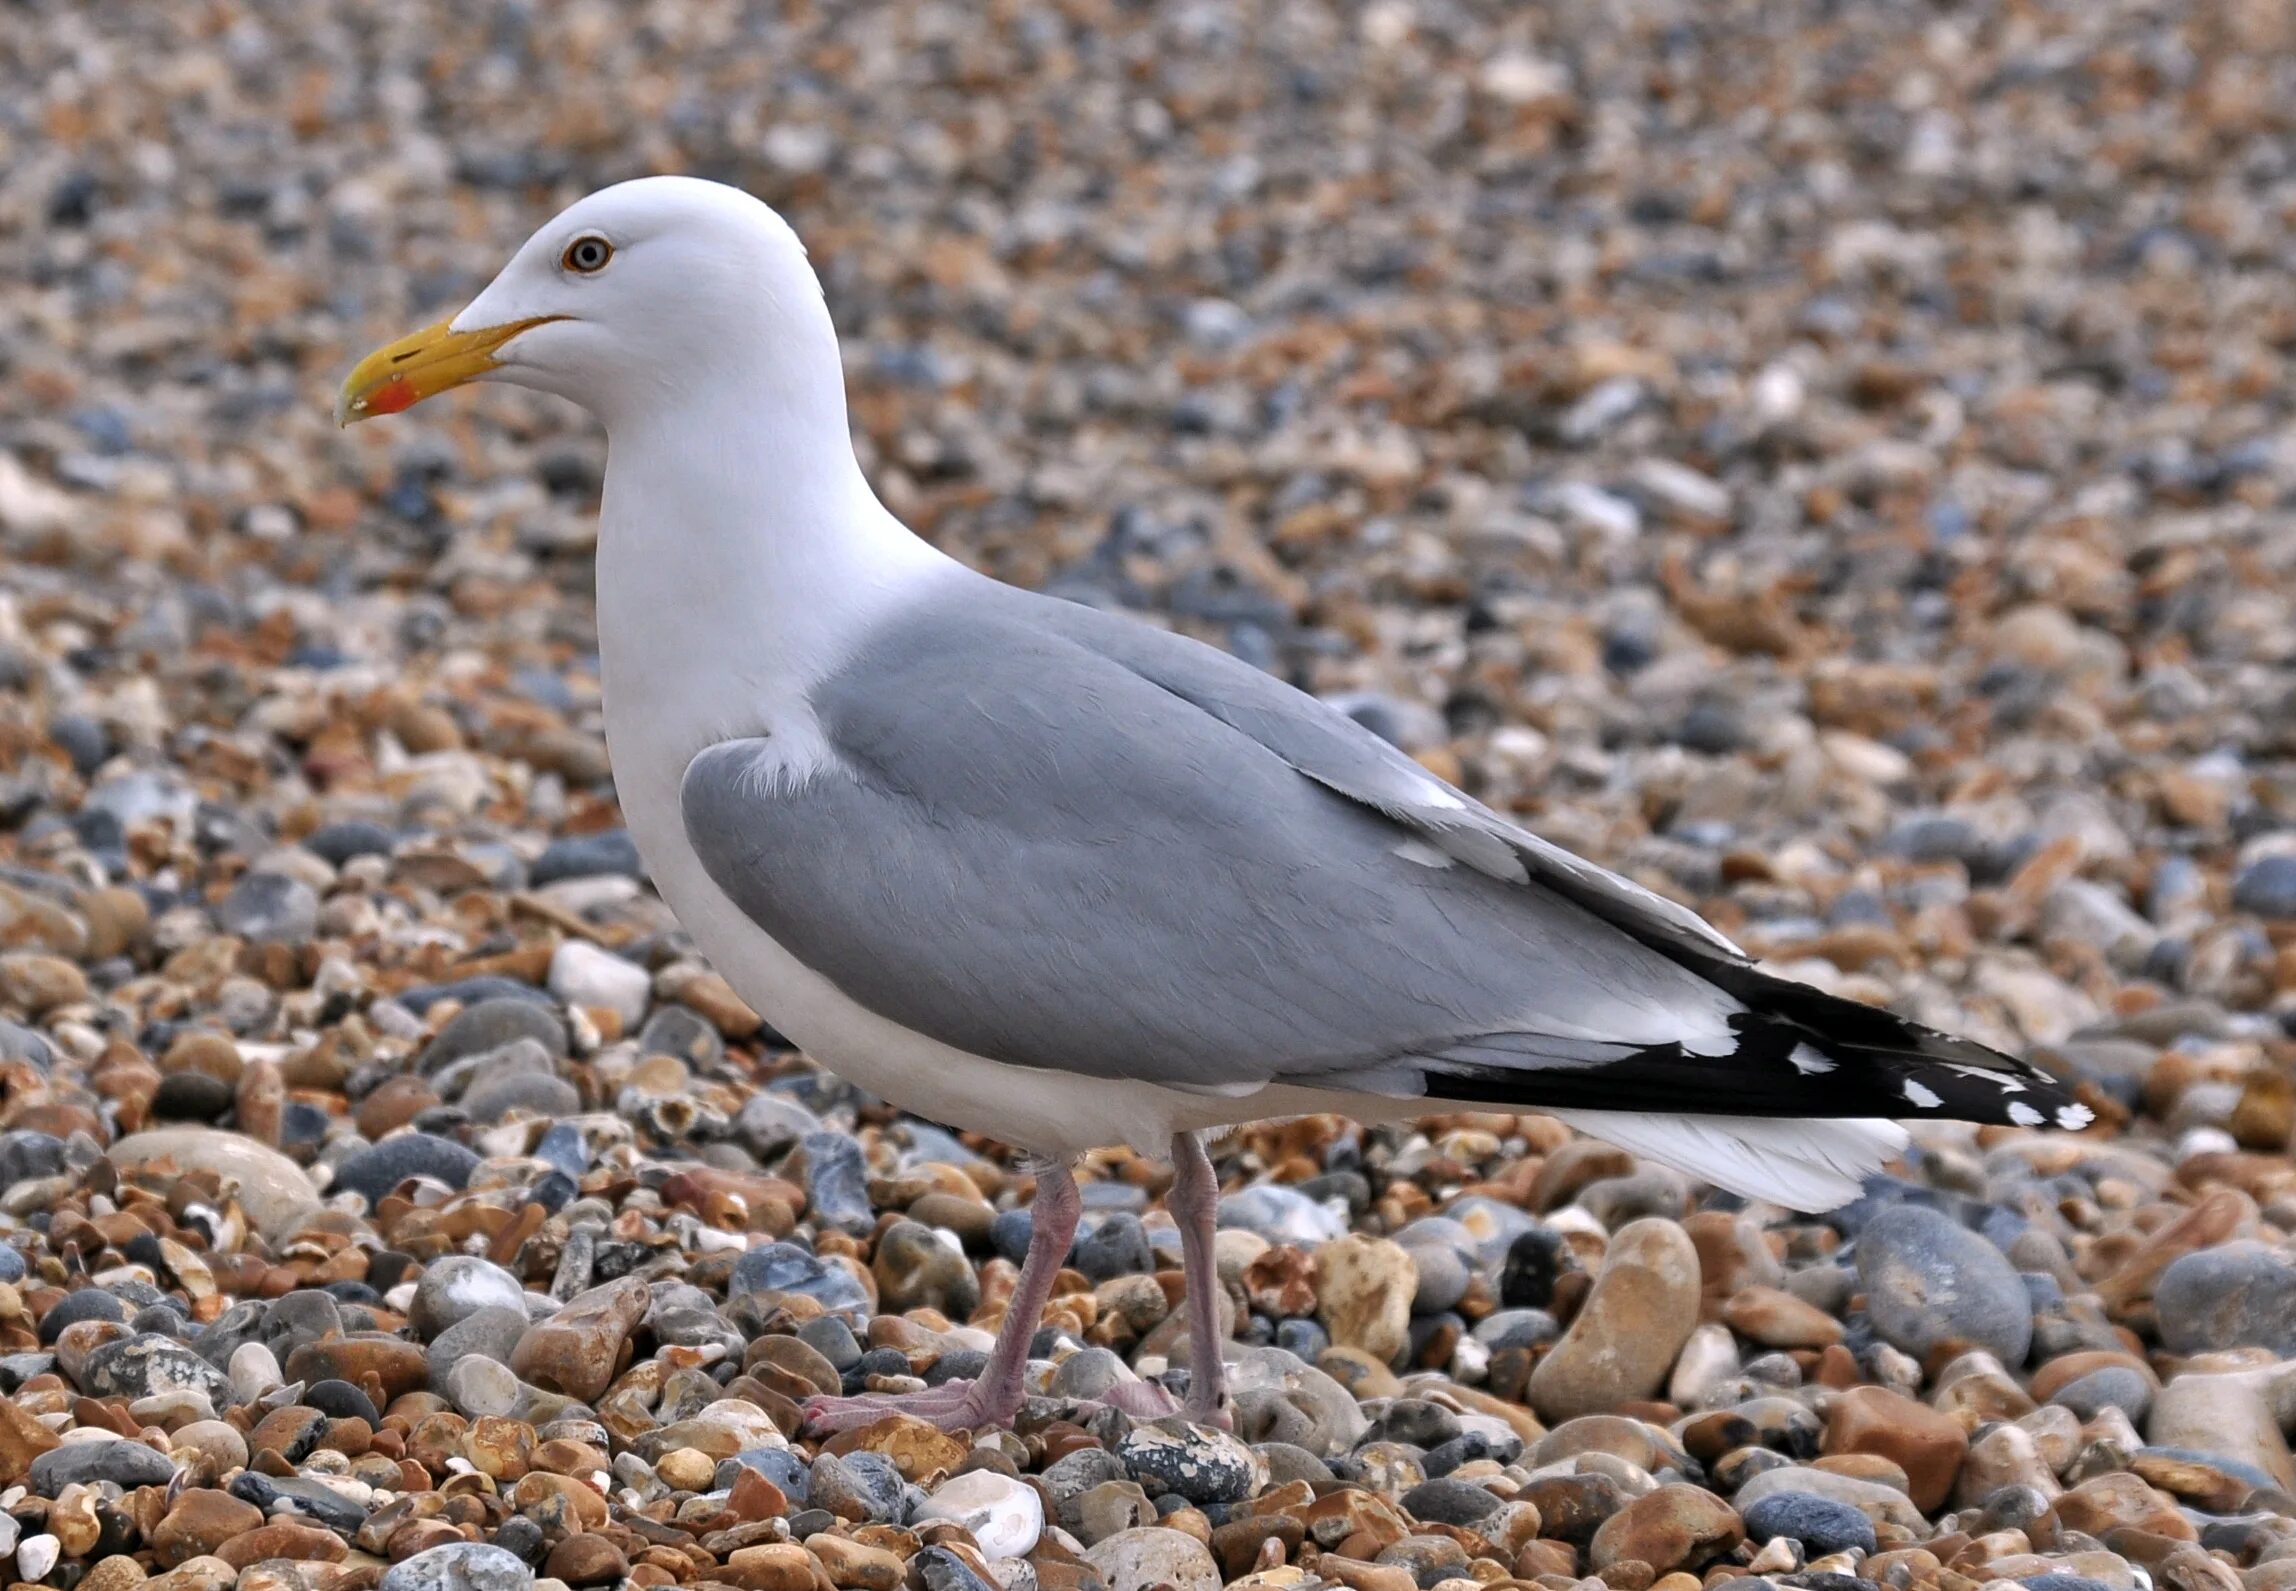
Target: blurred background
<point x="1834" y="461"/>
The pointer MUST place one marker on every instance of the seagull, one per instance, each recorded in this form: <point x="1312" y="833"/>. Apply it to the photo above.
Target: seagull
<point x="1063" y="878"/>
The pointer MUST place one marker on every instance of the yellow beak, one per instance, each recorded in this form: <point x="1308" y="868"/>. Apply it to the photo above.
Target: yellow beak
<point x="422" y="364"/>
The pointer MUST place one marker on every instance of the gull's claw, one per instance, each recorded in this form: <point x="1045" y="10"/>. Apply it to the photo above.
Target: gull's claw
<point x="952" y="1406"/>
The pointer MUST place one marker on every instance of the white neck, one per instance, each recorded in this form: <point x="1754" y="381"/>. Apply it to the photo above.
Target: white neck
<point x="741" y="556"/>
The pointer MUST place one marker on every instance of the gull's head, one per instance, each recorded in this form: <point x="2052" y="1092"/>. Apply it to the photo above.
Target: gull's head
<point x="642" y="294"/>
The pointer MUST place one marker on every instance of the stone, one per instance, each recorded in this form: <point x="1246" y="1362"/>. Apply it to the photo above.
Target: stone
<point x="1116" y="1246"/>
<point x="459" y="1566"/>
<point x="858" y="1486"/>
<point x="275" y="1192"/>
<point x="2237" y="1415"/>
<point x="478" y="1386"/>
<point x="2108" y="1387"/>
<point x="1192" y="1461"/>
<point x="457" y="1287"/>
<point x="940" y="1569"/>
<point x="584" y="975"/>
<point x="914" y="1266"/>
<point x="1444" y="1501"/>
<point x="2235" y="1295"/>
<point x="1774" y="1318"/>
<point x="283" y="1538"/>
<point x="1933" y="1286"/>
<point x="1641" y="1310"/>
<point x="532" y="1094"/>
<point x="195" y="1574"/>
<point x="2266" y="887"/>
<point x="38" y="983"/>
<point x="270" y="908"/>
<point x="578" y="1350"/>
<point x="1005" y="1515"/>
<point x="721" y="1429"/>
<point x="201" y="1522"/>
<point x="855" y="1565"/>
<point x="1138" y="1560"/>
<point x="1364" y="1287"/>
<point x="1883" y="1504"/>
<point x="252" y="1371"/>
<point x="586" y="1559"/>
<point x="686" y="1469"/>
<point x="1674" y="1527"/>
<point x="150" y="1365"/>
<point x="86" y="1303"/>
<point x="2120" y="1500"/>
<point x="487" y="1025"/>
<point x="1098" y="1512"/>
<point x="124" y="1463"/>
<point x="489" y="1333"/>
<point x="21" y="1440"/>
<point x="377" y="1169"/>
<point x="353" y="1356"/>
<point x="208" y="1449"/>
<point x="837" y="1182"/>
<point x="1820" y="1524"/>
<point x="773" y="1566"/>
<point x="1926" y="1445"/>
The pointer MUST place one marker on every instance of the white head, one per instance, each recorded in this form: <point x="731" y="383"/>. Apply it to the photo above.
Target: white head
<point x="643" y="300"/>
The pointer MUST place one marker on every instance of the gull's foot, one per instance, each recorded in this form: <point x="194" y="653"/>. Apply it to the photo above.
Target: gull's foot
<point x="952" y="1406"/>
<point x="1217" y="1413"/>
<point x="1143" y="1400"/>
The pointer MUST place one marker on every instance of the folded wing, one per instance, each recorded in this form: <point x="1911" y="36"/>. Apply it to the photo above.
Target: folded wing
<point x="1062" y="839"/>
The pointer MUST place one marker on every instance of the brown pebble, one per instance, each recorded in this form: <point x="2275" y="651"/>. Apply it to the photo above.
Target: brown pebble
<point x="586" y="1559"/>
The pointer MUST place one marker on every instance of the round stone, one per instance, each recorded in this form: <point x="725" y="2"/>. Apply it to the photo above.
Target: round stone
<point x="1820" y="1524"/>
<point x="1931" y="1282"/>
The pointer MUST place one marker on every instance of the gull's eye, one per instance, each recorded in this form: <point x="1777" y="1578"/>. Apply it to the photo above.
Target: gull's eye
<point x="587" y="255"/>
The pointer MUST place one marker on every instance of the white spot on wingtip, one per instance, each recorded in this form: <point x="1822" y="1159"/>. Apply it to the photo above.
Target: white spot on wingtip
<point x="2026" y="1116"/>
<point x="1985" y="1074"/>
<point x="1926" y="1098"/>
<point x="1809" y="1061"/>
<point x="2074" y="1117"/>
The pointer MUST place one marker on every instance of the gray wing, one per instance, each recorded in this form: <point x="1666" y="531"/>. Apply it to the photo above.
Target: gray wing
<point x="1062" y="839"/>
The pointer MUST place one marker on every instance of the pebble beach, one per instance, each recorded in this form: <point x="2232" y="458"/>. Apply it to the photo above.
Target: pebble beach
<point x="1834" y="463"/>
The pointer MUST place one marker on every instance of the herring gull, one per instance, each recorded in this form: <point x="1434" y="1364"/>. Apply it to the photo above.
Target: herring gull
<point x="1057" y="876"/>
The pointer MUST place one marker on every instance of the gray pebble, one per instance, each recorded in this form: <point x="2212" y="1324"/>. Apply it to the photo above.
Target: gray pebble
<point x="1930" y="1281"/>
<point x="124" y="1463"/>
<point x="459" y="1566"/>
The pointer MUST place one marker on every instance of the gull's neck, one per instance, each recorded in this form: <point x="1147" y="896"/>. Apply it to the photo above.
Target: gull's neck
<point x="742" y="557"/>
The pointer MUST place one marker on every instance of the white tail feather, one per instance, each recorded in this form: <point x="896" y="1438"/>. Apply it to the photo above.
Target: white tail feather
<point x="1803" y="1165"/>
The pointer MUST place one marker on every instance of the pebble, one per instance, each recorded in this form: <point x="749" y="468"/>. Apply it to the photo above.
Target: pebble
<point x="1364" y="1288"/>
<point x="1641" y="1310"/>
<point x="457" y="1287"/>
<point x="375" y="1171"/>
<point x="1931" y="1283"/>
<point x="2240" y="1294"/>
<point x="1135" y="1560"/>
<point x="1819" y="1524"/>
<point x="124" y="1463"/>
<point x="1004" y="1514"/>
<point x="1191" y="1461"/>
<point x="459" y="1566"/>
<point x="582" y="975"/>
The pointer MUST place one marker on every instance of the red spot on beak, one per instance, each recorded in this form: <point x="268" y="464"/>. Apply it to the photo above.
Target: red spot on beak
<point x="394" y="395"/>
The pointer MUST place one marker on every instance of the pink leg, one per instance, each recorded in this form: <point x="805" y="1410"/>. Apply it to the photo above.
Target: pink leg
<point x="996" y="1397"/>
<point x="1195" y="1205"/>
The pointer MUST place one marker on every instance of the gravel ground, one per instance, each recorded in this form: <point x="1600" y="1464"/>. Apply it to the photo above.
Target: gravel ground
<point x="1831" y="461"/>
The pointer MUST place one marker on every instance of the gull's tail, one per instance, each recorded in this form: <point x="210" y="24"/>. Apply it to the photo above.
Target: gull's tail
<point x="1802" y="1165"/>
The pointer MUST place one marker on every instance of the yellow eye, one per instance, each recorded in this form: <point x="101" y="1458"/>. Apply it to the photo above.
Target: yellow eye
<point x="587" y="255"/>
